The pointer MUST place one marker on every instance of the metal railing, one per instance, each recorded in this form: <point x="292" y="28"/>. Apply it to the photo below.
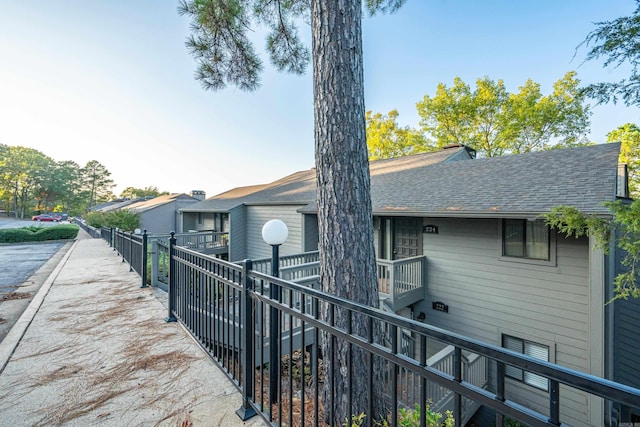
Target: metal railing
<point x="226" y="307"/>
<point x="264" y="264"/>
<point x="133" y="249"/>
<point x="93" y="232"/>
<point x="401" y="280"/>
<point x="106" y="233"/>
<point x="203" y="241"/>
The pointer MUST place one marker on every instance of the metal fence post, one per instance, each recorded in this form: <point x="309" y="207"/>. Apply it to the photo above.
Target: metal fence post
<point x="274" y="331"/>
<point x="171" y="290"/>
<point x="155" y="268"/>
<point x="247" y="411"/>
<point x="500" y="391"/>
<point x="130" y="251"/>
<point x="457" y="375"/>
<point x="143" y="273"/>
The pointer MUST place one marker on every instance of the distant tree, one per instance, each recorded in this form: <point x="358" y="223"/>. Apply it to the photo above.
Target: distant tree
<point x="59" y="189"/>
<point x="629" y="136"/>
<point x="496" y="122"/>
<point x="134" y="193"/>
<point x="22" y="170"/>
<point x="387" y="139"/>
<point x="96" y="182"/>
<point x="70" y="176"/>
<point x="617" y="42"/>
<point x="226" y="56"/>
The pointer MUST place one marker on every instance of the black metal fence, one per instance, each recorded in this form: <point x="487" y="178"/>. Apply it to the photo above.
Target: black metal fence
<point x="93" y="232"/>
<point x="227" y="308"/>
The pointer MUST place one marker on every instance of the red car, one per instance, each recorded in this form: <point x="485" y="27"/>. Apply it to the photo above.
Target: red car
<point x="44" y="217"/>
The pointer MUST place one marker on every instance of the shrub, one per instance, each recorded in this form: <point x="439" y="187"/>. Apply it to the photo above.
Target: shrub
<point x="410" y="417"/>
<point x="124" y="220"/>
<point x="38" y="234"/>
<point x="96" y="219"/>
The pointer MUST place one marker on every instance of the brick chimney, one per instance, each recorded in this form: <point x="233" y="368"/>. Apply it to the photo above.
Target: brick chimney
<point x="198" y="194"/>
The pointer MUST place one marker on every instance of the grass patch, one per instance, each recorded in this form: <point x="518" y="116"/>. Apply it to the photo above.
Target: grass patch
<point x="38" y="234"/>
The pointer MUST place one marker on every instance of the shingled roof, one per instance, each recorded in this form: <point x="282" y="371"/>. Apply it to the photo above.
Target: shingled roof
<point x="300" y="187"/>
<point x="147" y="204"/>
<point x="432" y="184"/>
<point x="515" y="185"/>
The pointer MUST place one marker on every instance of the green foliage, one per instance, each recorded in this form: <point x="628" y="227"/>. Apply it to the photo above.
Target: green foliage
<point x="629" y="136"/>
<point x="386" y="139"/>
<point x="95" y="219"/>
<point x="220" y="44"/>
<point x="356" y="421"/>
<point x="31" y="182"/>
<point x="96" y="182"/>
<point x="618" y="42"/>
<point x="410" y="417"/>
<point x="122" y="219"/>
<point x="496" y="122"/>
<point x="38" y="234"/>
<point x="624" y="224"/>
<point x="135" y="193"/>
<point x="22" y="173"/>
<point x="510" y="422"/>
<point x="573" y="223"/>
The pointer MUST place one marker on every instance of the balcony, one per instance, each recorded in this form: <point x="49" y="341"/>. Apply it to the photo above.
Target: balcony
<point x="209" y="243"/>
<point x="400" y="282"/>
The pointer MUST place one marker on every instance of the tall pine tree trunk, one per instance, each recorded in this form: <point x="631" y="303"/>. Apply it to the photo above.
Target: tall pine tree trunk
<point x="347" y="257"/>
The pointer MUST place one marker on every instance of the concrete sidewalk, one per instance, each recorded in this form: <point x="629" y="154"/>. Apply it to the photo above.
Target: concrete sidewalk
<point x="93" y="349"/>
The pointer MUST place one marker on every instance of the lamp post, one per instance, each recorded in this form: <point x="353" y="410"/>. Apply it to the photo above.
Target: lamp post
<point x="274" y="233"/>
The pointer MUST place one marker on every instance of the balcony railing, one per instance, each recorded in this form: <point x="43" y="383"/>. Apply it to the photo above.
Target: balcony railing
<point x="304" y="259"/>
<point x="402" y="281"/>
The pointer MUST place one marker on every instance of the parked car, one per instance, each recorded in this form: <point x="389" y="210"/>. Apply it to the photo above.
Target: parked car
<point x="45" y="218"/>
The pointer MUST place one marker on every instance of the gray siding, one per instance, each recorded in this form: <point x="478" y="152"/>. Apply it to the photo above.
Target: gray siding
<point x="627" y="324"/>
<point x="238" y="233"/>
<point x="257" y="216"/>
<point x="161" y="219"/>
<point x="488" y="297"/>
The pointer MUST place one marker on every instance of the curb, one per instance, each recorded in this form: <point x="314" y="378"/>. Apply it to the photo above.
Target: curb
<point x="11" y="341"/>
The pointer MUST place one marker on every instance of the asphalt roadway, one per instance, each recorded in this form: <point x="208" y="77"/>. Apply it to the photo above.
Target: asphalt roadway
<point x="23" y="269"/>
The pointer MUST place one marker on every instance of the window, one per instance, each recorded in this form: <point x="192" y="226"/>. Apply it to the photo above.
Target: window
<point x="531" y="349"/>
<point x="523" y="238"/>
